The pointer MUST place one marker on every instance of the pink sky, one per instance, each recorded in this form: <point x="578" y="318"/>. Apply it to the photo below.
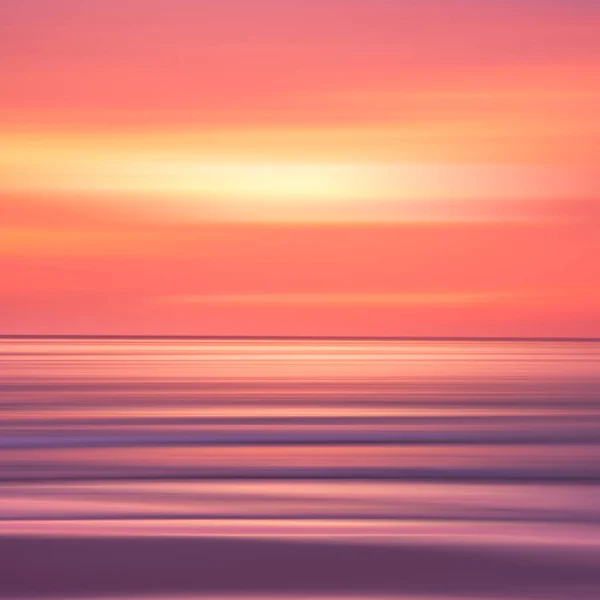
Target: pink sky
<point x="342" y="167"/>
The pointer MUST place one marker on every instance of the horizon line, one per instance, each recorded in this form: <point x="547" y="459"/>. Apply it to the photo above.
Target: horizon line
<point x="306" y="337"/>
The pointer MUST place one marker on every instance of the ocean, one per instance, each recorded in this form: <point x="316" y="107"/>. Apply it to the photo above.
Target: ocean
<point x="299" y="468"/>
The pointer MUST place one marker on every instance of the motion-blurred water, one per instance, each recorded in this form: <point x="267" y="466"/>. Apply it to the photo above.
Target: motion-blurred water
<point x="315" y="468"/>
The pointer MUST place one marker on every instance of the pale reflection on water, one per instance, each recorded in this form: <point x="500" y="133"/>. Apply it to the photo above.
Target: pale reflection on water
<point x="299" y="468"/>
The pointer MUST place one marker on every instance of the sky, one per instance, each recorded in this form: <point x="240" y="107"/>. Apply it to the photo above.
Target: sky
<point x="277" y="167"/>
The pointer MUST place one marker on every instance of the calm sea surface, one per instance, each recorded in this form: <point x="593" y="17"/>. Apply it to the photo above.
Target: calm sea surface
<point x="195" y="468"/>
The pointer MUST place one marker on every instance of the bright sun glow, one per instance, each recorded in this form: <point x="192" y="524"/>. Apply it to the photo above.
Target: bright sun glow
<point x="197" y="186"/>
<point x="275" y="184"/>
